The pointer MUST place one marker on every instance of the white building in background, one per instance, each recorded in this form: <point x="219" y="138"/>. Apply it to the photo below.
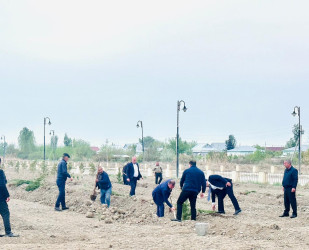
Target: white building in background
<point x="290" y="151"/>
<point x="205" y="148"/>
<point x="241" y="151"/>
<point x="139" y="147"/>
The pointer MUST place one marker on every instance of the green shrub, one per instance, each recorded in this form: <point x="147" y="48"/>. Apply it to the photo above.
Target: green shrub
<point x="119" y="176"/>
<point x="54" y="169"/>
<point x="17" y="166"/>
<point x="93" y="169"/>
<point x="44" y="168"/>
<point x="82" y="168"/>
<point x="186" y="212"/>
<point x="33" y="166"/>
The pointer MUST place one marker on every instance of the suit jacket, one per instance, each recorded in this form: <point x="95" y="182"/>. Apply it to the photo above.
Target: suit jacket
<point x="219" y="182"/>
<point x="62" y="172"/>
<point x="193" y="179"/>
<point x="130" y="171"/>
<point x="4" y="193"/>
<point x="161" y="193"/>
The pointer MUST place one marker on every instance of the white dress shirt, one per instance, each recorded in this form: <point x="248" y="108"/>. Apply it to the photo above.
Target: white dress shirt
<point x="135" y="170"/>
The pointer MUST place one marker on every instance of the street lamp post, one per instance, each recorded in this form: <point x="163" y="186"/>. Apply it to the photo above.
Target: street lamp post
<point x="52" y="142"/>
<point x="177" y="135"/>
<point x="4" y="146"/>
<point x="49" y="123"/>
<point x="296" y="111"/>
<point x="140" y="124"/>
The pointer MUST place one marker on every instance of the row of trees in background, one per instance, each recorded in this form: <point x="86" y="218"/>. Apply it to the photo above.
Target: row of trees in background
<point x="28" y="149"/>
<point x="155" y="150"/>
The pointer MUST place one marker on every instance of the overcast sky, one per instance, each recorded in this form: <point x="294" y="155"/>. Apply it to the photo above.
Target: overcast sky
<point x="97" y="67"/>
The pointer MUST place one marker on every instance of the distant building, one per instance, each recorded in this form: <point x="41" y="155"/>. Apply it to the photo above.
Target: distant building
<point x="95" y="149"/>
<point x="241" y="151"/>
<point x="139" y="147"/>
<point x="290" y="151"/>
<point x="205" y="148"/>
<point x="274" y="149"/>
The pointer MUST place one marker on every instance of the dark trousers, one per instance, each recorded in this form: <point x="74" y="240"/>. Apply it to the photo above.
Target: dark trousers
<point x="133" y="183"/>
<point x="184" y="195"/>
<point x="5" y="213"/>
<point x="158" y="178"/>
<point x="61" y="196"/>
<point x="290" y="200"/>
<point x="221" y="195"/>
<point x="160" y="209"/>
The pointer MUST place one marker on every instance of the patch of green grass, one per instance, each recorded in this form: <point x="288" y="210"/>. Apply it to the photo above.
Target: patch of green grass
<point x="277" y="184"/>
<point x="201" y="211"/>
<point x="116" y="194"/>
<point x="31" y="185"/>
<point x="249" y="192"/>
<point x="19" y="182"/>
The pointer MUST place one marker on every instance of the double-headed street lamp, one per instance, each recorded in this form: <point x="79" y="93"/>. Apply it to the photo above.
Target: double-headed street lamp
<point x="296" y="111"/>
<point x="4" y="146"/>
<point x="140" y="124"/>
<point x="177" y="135"/>
<point x="49" y="123"/>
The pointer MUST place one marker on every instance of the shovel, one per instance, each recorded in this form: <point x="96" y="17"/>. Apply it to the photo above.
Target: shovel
<point x="174" y="212"/>
<point x="94" y="195"/>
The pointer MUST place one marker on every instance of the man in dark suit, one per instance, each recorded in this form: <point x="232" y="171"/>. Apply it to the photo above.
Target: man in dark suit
<point x="220" y="187"/>
<point x="161" y="194"/>
<point x="192" y="182"/>
<point x="4" y="209"/>
<point x="289" y="184"/>
<point x="62" y="176"/>
<point x="133" y="175"/>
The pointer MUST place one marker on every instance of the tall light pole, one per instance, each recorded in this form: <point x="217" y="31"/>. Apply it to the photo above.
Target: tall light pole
<point x="52" y="141"/>
<point x="140" y="124"/>
<point x="49" y="123"/>
<point x="177" y="135"/>
<point x="296" y="111"/>
<point x="4" y="146"/>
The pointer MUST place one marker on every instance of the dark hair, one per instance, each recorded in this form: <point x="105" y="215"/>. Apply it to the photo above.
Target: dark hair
<point x="172" y="182"/>
<point x="192" y="163"/>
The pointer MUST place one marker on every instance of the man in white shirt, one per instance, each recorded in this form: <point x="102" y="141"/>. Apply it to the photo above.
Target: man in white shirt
<point x="133" y="174"/>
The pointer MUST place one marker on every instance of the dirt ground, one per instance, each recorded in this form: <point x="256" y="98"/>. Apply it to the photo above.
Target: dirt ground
<point x="131" y="223"/>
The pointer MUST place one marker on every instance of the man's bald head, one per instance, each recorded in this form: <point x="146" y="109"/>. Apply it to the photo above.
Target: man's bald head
<point x="134" y="160"/>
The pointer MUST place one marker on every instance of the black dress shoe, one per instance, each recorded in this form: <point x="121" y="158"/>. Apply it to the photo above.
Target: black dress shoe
<point x="176" y="220"/>
<point x="293" y="216"/>
<point x="284" y="215"/>
<point x="237" y="212"/>
<point x="65" y="208"/>
<point x="220" y="212"/>
<point x="57" y="209"/>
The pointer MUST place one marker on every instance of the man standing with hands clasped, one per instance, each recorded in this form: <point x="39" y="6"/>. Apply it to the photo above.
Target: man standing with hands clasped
<point x="192" y="182"/>
<point x="289" y="184"/>
<point x="62" y="175"/>
<point x="133" y="175"/>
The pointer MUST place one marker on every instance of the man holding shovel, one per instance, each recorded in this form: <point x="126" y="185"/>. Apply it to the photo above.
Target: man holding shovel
<point x="161" y="194"/>
<point x="62" y="175"/>
<point x="105" y="185"/>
